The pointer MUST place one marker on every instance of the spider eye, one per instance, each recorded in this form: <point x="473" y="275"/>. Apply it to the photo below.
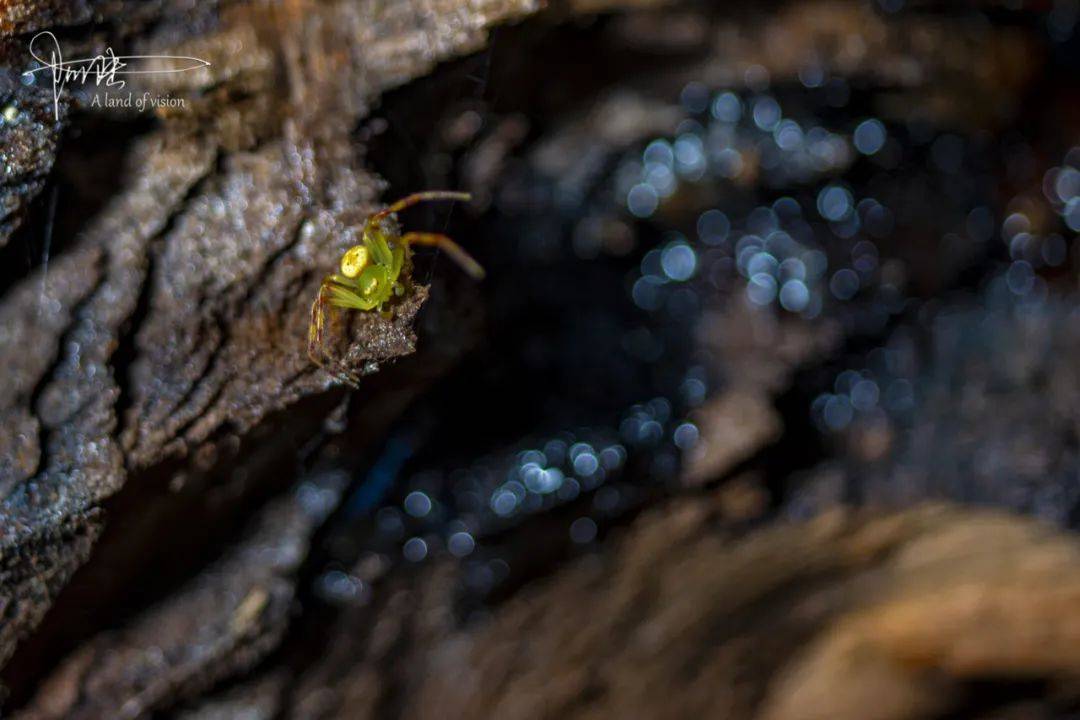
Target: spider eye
<point x="354" y="261"/>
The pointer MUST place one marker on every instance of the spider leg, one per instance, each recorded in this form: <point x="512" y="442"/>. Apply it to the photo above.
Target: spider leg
<point x="346" y="298"/>
<point x="410" y="200"/>
<point x="317" y="326"/>
<point x="343" y="374"/>
<point x="451" y="248"/>
<point x="329" y="294"/>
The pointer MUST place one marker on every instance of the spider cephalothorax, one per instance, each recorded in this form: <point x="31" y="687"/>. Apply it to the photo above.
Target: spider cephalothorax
<point x="370" y="272"/>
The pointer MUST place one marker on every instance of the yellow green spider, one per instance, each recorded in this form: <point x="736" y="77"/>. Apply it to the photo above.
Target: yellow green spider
<point x="369" y="274"/>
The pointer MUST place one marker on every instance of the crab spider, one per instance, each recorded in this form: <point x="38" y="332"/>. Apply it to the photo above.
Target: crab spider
<point x="369" y="273"/>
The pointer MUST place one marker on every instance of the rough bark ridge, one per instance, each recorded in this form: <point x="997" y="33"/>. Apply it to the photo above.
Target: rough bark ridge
<point x="825" y="619"/>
